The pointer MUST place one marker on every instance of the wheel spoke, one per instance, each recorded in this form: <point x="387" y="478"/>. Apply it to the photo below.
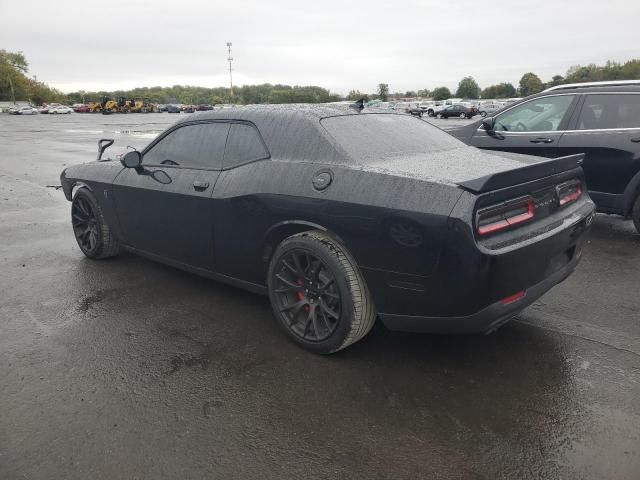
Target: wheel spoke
<point x="314" y="320"/>
<point x="296" y="261"/>
<point x="287" y="282"/>
<point x="285" y="289"/>
<point x="327" y="283"/>
<point x="335" y="296"/>
<point x="83" y="208"/>
<point x="308" y="324"/>
<point x="286" y="264"/>
<point x="294" y="306"/>
<point x="328" y="310"/>
<point x="325" y="319"/>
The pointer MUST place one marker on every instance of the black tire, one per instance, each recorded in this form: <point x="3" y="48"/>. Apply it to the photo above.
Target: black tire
<point x="463" y="115"/>
<point x="330" y="314"/>
<point x="93" y="234"/>
<point x="483" y="114"/>
<point x="635" y="213"/>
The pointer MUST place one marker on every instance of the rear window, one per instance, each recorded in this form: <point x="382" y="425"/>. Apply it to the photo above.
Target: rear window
<point x="610" y="111"/>
<point x="373" y="136"/>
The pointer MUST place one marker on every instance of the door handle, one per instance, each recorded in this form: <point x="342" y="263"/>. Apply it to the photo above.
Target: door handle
<point x="541" y="140"/>
<point x="200" y="186"/>
<point x="636" y="140"/>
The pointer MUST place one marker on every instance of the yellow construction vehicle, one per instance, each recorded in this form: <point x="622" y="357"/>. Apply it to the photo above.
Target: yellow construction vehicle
<point x="143" y="105"/>
<point x="108" y="105"/>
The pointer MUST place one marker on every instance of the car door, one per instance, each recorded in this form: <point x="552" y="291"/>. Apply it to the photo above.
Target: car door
<point x="533" y="127"/>
<point x="608" y="132"/>
<point x="164" y="208"/>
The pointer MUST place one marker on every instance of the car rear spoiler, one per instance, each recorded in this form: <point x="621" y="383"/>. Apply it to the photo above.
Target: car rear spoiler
<point x="524" y="174"/>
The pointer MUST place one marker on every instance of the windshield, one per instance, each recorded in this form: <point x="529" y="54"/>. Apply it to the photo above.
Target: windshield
<point x="373" y="136"/>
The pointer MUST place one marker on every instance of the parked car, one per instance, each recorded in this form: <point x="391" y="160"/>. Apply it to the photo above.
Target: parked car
<point x="25" y="111"/>
<point x="599" y="119"/>
<point x="44" y="109"/>
<point x="60" y="110"/>
<point x="80" y="108"/>
<point x="173" y="109"/>
<point x="457" y="110"/>
<point x="485" y="109"/>
<point x="337" y="214"/>
<point x="435" y="107"/>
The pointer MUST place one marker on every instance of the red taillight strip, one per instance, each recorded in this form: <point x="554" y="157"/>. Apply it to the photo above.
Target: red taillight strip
<point x="510" y="221"/>
<point x="572" y="197"/>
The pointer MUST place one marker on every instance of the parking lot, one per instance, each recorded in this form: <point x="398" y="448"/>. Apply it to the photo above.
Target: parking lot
<point x="125" y="368"/>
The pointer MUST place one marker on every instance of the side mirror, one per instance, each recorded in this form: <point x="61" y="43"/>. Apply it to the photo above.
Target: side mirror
<point x="131" y="159"/>
<point x="103" y="144"/>
<point x="488" y="123"/>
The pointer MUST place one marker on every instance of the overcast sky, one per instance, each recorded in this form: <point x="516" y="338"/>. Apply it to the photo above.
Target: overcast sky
<point x="339" y="45"/>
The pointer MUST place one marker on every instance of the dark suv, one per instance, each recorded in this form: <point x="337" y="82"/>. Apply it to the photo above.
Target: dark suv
<point x="599" y="119"/>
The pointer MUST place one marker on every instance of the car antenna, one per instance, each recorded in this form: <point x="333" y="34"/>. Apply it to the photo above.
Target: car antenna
<point x="358" y="105"/>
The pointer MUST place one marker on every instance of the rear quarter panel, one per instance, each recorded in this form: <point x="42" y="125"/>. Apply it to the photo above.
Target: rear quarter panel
<point x="388" y="223"/>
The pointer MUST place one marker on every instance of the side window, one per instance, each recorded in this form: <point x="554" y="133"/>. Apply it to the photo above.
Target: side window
<point x="198" y="145"/>
<point x="244" y="145"/>
<point x="537" y="115"/>
<point x="610" y="111"/>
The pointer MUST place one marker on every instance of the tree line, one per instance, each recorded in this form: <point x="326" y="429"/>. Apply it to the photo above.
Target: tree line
<point x="529" y="83"/>
<point x="16" y="84"/>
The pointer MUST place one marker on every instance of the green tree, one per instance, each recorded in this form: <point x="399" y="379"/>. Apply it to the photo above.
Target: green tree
<point x="424" y="93"/>
<point x="555" y="80"/>
<point x="530" y="83"/>
<point x="356" y="95"/>
<point x="441" y="93"/>
<point x="383" y="91"/>
<point x="502" y="90"/>
<point x="468" y="88"/>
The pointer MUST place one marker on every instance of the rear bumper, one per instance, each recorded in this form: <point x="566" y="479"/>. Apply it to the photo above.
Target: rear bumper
<point x="484" y="321"/>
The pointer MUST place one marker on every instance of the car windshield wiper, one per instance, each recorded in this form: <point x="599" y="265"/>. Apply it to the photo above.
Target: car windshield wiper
<point x="168" y="162"/>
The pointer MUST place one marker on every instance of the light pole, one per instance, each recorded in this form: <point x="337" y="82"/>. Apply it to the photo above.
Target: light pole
<point x="230" y="59"/>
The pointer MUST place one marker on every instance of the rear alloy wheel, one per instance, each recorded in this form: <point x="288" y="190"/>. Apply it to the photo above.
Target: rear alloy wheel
<point x="92" y="233"/>
<point x="635" y="214"/>
<point x="318" y="294"/>
<point x="463" y="115"/>
<point x="483" y="114"/>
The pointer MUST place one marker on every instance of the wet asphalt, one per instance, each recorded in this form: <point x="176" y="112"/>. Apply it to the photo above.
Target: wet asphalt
<point x="124" y="368"/>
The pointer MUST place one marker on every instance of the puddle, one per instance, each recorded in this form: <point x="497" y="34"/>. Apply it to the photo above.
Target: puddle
<point x="139" y="133"/>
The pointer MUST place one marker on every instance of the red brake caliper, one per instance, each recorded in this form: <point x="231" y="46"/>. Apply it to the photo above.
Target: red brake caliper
<point x="300" y="295"/>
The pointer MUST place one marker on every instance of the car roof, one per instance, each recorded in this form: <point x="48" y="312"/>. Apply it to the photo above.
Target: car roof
<point x="291" y="131"/>
<point x="590" y="85"/>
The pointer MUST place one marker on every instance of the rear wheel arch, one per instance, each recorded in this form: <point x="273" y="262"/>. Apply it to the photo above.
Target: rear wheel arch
<point x="285" y="229"/>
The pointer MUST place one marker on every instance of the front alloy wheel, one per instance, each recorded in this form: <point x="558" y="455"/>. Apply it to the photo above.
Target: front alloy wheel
<point x="93" y="234"/>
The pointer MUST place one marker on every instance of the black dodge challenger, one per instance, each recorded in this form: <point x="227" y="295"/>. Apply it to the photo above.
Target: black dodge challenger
<point x="341" y="215"/>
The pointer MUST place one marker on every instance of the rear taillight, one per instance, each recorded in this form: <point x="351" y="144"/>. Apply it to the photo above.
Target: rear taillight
<point x="569" y="192"/>
<point x="499" y="217"/>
